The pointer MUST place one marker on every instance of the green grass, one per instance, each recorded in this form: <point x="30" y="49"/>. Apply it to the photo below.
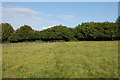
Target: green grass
<point x="85" y="59"/>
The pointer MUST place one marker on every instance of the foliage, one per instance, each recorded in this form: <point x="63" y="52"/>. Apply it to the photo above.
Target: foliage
<point x="7" y="31"/>
<point x="57" y="33"/>
<point x="0" y="32"/>
<point x="97" y="31"/>
<point x="92" y="31"/>
<point x="22" y="34"/>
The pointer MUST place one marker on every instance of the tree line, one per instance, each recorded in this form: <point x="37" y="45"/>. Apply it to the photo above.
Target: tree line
<point x="89" y="31"/>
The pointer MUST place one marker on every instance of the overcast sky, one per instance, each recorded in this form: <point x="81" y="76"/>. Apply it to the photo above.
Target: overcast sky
<point x="41" y="15"/>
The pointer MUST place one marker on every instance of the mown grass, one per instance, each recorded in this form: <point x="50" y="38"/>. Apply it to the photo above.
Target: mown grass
<point x="85" y="59"/>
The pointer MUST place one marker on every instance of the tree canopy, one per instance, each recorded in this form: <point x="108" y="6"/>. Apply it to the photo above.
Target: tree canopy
<point x="7" y="31"/>
<point x="91" y="31"/>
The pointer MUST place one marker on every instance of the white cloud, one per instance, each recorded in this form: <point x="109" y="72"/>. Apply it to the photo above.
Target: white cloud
<point x="26" y="12"/>
<point x="20" y="16"/>
<point x="48" y="27"/>
<point x="22" y="10"/>
<point x="66" y="16"/>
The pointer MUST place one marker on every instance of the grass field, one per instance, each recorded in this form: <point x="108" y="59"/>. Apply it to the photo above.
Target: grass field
<point x="85" y="59"/>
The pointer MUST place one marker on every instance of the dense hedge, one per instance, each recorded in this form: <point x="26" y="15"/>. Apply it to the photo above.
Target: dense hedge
<point x="93" y="31"/>
<point x="97" y="31"/>
<point x="6" y="30"/>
